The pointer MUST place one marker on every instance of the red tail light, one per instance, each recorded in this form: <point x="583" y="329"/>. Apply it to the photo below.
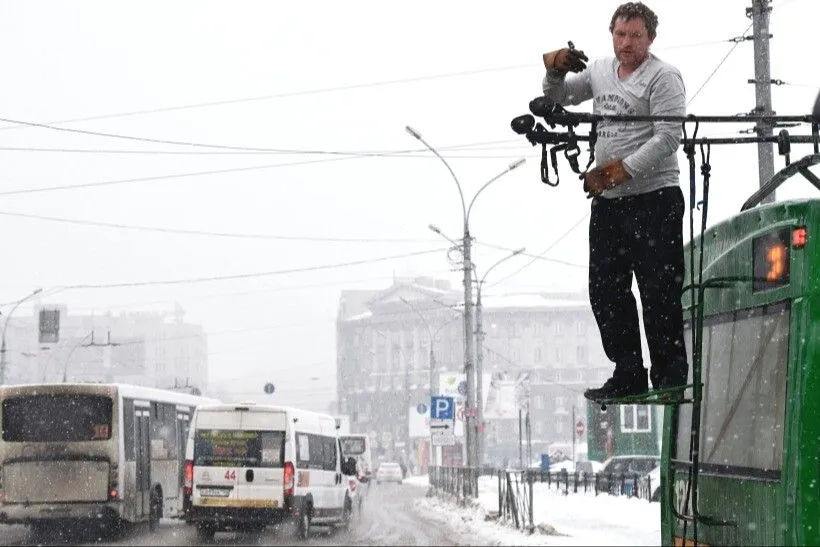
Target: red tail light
<point x="799" y="237"/>
<point x="288" y="478"/>
<point x="188" y="477"/>
<point x="113" y="482"/>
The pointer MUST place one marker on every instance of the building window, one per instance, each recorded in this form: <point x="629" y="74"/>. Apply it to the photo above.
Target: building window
<point x="539" y="402"/>
<point x="580" y="327"/>
<point x="559" y="427"/>
<point x="537" y="356"/>
<point x="561" y="404"/>
<point x="556" y="328"/>
<point x="536" y="329"/>
<point x="558" y="354"/>
<point x="581" y="354"/>
<point x="636" y="419"/>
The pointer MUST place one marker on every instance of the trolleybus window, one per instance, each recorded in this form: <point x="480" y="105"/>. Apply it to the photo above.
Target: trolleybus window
<point x="57" y="418"/>
<point x="235" y="448"/>
<point x="745" y="359"/>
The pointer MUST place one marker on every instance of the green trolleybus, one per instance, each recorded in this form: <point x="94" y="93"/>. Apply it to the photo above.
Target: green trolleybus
<point x="749" y="473"/>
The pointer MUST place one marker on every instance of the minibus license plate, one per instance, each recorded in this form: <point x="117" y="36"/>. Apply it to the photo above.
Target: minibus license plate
<point x="214" y="492"/>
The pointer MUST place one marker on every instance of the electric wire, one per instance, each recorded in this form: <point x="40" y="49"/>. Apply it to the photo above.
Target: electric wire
<point x="205" y="279"/>
<point x="231" y="235"/>
<point x="283" y="95"/>
<point x="734" y="46"/>
<point x="541" y="254"/>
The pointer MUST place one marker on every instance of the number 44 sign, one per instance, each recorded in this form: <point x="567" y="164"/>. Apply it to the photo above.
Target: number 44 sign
<point x="230" y="475"/>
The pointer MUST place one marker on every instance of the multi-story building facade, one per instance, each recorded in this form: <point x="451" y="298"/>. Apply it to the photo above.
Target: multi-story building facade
<point x="144" y="348"/>
<point x="547" y="345"/>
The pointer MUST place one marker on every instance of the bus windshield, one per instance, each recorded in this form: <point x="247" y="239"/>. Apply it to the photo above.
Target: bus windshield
<point x="57" y="418"/>
<point x="353" y="446"/>
<point x="233" y="448"/>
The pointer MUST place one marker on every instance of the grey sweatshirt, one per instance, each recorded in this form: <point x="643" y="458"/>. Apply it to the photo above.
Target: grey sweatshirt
<point x="648" y="149"/>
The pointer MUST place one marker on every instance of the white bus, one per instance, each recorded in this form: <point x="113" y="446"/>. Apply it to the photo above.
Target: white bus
<point x="357" y="446"/>
<point x="109" y="453"/>
<point x="249" y="466"/>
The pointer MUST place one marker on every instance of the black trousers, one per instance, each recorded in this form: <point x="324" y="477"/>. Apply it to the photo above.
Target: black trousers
<point x="640" y="235"/>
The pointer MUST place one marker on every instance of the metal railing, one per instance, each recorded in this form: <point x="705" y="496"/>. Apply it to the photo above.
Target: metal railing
<point x="515" y="488"/>
<point x="515" y="499"/>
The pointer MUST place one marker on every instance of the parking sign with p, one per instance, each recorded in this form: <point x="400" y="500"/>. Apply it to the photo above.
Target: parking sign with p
<point x="442" y="408"/>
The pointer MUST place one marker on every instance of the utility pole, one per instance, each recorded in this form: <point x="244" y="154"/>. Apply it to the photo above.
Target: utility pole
<point x="572" y="432"/>
<point x="469" y="404"/>
<point x="479" y="373"/>
<point x="520" y="439"/>
<point x="759" y="13"/>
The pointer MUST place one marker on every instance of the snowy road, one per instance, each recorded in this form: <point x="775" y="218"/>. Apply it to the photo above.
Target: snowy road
<point x="389" y="519"/>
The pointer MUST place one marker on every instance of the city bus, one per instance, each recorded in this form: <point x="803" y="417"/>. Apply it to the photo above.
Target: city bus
<point x="92" y="453"/>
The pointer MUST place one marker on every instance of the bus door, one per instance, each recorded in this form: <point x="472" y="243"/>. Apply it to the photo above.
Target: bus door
<point x="142" y="450"/>
<point x="183" y="425"/>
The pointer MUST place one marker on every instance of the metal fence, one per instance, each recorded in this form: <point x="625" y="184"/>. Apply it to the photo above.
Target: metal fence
<point x="515" y="487"/>
<point x="515" y="499"/>
<point x="631" y="485"/>
<point x="461" y="482"/>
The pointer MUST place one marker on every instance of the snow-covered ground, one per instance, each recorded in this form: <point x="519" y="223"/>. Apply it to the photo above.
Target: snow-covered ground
<point x="574" y="519"/>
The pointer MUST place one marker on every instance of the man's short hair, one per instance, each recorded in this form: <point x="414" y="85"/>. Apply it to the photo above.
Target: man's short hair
<point x="631" y="10"/>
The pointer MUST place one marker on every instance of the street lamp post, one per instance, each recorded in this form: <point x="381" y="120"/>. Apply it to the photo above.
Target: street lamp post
<point x="468" y="297"/>
<point x="6" y="326"/>
<point x="479" y="331"/>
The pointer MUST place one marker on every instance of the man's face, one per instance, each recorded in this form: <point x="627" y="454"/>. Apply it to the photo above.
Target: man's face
<point x="630" y="41"/>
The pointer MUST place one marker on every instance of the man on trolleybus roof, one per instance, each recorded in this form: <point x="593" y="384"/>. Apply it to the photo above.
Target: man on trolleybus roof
<point x="637" y="205"/>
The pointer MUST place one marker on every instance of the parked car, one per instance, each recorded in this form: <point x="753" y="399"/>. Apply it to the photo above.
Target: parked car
<point x="587" y="467"/>
<point x="620" y="472"/>
<point x="389" y="472"/>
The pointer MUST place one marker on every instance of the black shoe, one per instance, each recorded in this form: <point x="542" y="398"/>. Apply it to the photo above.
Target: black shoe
<point x="622" y="384"/>
<point x="674" y="376"/>
<point x="670" y="383"/>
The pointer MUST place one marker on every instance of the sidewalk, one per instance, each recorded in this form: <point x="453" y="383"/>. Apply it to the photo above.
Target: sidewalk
<point x="574" y="519"/>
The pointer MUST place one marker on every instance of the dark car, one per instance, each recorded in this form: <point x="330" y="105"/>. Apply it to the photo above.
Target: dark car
<point x="619" y="473"/>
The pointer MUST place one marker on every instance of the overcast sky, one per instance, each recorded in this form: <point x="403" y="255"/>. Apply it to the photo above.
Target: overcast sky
<point x="316" y="79"/>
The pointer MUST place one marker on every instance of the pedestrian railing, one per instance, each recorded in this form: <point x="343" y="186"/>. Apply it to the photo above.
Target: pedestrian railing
<point x="631" y="485"/>
<point x="515" y="499"/>
<point x="515" y="488"/>
<point x="461" y="482"/>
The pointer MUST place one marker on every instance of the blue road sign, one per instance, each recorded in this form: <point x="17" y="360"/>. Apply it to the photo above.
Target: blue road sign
<point x="462" y="388"/>
<point x="442" y="408"/>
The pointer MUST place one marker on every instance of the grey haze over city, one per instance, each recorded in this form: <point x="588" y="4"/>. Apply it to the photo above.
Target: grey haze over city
<point x="239" y="164"/>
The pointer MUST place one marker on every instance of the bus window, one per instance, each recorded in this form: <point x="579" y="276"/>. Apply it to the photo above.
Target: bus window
<point x="352" y="446"/>
<point x="238" y="448"/>
<point x="57" y="418"/>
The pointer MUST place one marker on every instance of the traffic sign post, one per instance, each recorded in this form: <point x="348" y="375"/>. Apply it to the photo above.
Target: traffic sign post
<point x="442" y="421"/>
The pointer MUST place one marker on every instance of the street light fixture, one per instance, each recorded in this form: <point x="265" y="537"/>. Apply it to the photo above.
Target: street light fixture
<point x="480" y="353"/>
<point x="468" y="297"/>
<point x="6" y="326"/>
